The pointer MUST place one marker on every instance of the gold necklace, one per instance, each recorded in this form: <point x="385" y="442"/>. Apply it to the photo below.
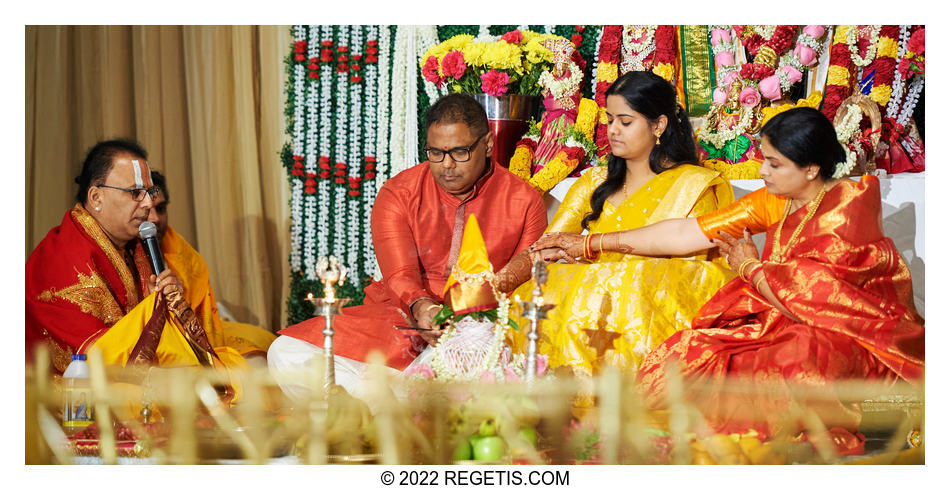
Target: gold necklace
<point x="778" y="253"/>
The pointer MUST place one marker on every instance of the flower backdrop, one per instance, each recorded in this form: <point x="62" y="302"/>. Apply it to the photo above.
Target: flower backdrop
<point x="357" y="96"/>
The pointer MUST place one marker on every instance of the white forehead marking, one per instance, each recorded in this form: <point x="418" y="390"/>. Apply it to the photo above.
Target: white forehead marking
<point x="138" y="174"/>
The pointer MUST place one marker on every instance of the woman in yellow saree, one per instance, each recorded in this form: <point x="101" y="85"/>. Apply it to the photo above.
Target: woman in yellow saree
<point x="614" y="308"/>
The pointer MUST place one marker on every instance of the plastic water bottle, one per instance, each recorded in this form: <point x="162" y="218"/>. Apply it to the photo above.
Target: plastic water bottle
<point x="77" y="397"/>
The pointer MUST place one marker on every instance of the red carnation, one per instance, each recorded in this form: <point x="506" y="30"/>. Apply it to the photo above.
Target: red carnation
<point x="340" y="165"/>
<point x="579" y="28"/>
<point x="323" y="159"/>
<point x="298" y="157"/>
<point x="326" y="55"/>
<point x="310" y="190"/>
<point x="313" y="66"/>
<point x="370" y="166"/>
<point x="370" y="59"/>
<point x="311" y="175"/>
<point x="916" y="42"/>
<point x="326" y="43"/>
<point x="495" y="83"/>
<point x="299" y="57"/>
<point x="340" y="180"/>
<point x="453" y="64"/>
<point x="355" y="180"/>
<point x="314" y="75"/>
<point x="339" y="173"/>
<point x="324" y="175"/>
<point x="342" y="49"/>
<point x="370" y="158"/>
<point x="356" y="67"/>
<point x="353" y="193"/>
<point x="372" y="51"/>
<point x="300" y="46"/>
<point x="513" y="37"/>
<point x="357" y="57"/>
<point x="324" y="166"/>
<point x="370" y="175"/>
<point x="577" y="39"/>
<point x="372" y="42"/>
<point x="430" y="71"/>
<point x="310" y="183"/>
<point x="342" y="58"/>
<point x="610" y="44"/>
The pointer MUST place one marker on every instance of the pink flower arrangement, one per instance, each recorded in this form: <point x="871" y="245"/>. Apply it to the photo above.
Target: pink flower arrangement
<point x="719" y="96"/>
<point x="430" y="71"/>
<point x="771" y="87"/>
<point x="495" y="83"/>
<point x="725" y="58"/>
<point x="453" y="64"/>
<point x="513" y="37"/>
<point x="749" y="97"/>
<point x="423" y="370"/>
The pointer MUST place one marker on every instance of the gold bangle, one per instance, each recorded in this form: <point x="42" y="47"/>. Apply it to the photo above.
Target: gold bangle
<point x="434" y="306"/>
<point x="742" y="267"/>
<point x="759" y="282"/>
<point x="600" y="244"/>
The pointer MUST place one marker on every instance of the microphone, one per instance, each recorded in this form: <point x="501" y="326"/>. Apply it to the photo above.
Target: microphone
<point x="148" y="232"/>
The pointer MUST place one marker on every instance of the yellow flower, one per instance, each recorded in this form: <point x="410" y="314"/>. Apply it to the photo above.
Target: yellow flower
<point x="520" y="163"/>
<point x="606" y="72"/>
<point x="748" y="169"/>
<point x="535" y="51"/>
<point x="587" y="117"/>
<point x="841" y="34"/>
<point x="813" y="101"/>
<point x="664" y="70"/>
<point x="602" y="115"/>
<point x="838" y="75"/>
<point x="457" y="42"/>
<point x="474" y="54"/>
<point x="503" y="56"/>
<point x="887" y="47"/>
<point x="881" y="94"/>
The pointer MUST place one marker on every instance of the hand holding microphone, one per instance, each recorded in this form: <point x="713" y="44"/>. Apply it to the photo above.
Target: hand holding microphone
<point x="163" y="279"/>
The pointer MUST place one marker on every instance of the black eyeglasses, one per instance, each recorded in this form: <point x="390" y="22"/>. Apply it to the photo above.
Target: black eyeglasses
<point x="138" y="193"/>
<point x="459" y="153"/>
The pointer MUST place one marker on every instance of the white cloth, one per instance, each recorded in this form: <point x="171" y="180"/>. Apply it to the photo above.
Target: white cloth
<point x="289" y="360"/>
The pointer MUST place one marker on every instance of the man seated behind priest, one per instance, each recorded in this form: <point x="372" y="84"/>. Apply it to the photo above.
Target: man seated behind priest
<point x="89" y="282"/>
<point x="249" y="340"/>
<point x="417" y="223"/>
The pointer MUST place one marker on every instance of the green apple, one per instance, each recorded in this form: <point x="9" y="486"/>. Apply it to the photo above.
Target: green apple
<point x="490" y="448"/>
<point x="487" y="427"/>
<point x="530" y="435"/>
<point x="463" y="451"/>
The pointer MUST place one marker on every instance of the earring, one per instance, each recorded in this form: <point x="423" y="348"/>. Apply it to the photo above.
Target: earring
<point x="657" y="140"/>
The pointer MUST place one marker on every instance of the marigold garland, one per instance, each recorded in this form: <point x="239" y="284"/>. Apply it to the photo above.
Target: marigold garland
<point x="883" y="65"/>
<point x="838" y="84"/>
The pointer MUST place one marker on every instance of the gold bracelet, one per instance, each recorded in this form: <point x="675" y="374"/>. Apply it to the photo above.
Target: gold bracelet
<point x="434" y="306"/>
<point x="742" y="267"/>
<point x="759" y="282"/>
<point x="600" y="244"/>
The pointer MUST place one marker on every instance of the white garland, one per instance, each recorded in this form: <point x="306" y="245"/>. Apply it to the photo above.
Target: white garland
<point x="564" y="87"/>
<point x="490" y="362"/>
<point x="354" y="164"/>
<point x="872" y="46"/>
<point x="719" y="139"/>
<point x="342" y="151"/>
<point x="845" y="129"/>
<point x="382" y="110"/>
<point x="913" y="95"/>
<point x="296" y="191"/>
<point x="593" y="73"/>
<point x="313" y="103"/>
<point x="897" y="86"/>
<point x="367" y="187"/>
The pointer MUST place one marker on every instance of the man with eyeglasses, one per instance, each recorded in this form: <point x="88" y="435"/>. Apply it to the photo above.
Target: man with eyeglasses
<point x="417" y="224"/>
<point x="89" y="282"/>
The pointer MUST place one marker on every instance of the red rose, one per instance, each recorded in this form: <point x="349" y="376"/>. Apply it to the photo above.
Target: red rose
<point x="310" y="183"/>
<point x="356" y="67"/>
<point x="324" y="175"/>
<point x="300" y="46"/>
<point x="353" y="193"/>
<point x="513" y="37"/>
<point x="299" y="57"/>
<point x="326" y="55"/>
<point x="342" y="68"/>
<point x="340" y="173"/>
<point x="453" y="64"/>
<point x="370" y="59"/>
<point x="495" y="83"/>
<point x="323" y="158"/>
<point x="579" y="28"/>
<point x="916" y="42"/>
<point x="372" y="42"/>
<point x="311" y="175"/>
<point x="324" y="166"/>
<point x="370" y="175"/>
<point x="314" y="74"/>
<point x="310" y="190"/>
<point x="313" y="66"/>
<point x="372" y="51"/>
<point x="370" y="158"/>
<point x="577" y="39"/>
<point x="342" y="58"/>
<point x="340" y="180"/>
<point x="575" y="153"/>
<point x="342" y="49"/>
<point x="354" y="180"/>
<point x="298" y="157"/>
<point x="430" y="71"/>
<point x="326" y="43"/>
<point x="340" y="165"/>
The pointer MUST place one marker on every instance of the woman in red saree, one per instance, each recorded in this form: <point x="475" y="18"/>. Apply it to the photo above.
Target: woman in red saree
<point x="830" y="299"/>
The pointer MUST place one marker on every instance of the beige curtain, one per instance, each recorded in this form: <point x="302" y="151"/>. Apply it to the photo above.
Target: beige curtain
<point x="207" y="103"/>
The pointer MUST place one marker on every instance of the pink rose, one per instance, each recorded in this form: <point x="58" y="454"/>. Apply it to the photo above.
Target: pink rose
<point x="725" y="58"/>
<point x="430" y="71"/>
<point x="814" y="31"/>
<point x="805" y="54"/>
<point x="771" y="88"/>
<point x="542" y="364"/>
<point x="729" y="77"/>
<point x="794" y="76"/>
<point x="453" y="64"/>
<point x="486" y="377"/>
<point x="720" y="36"/>
<point x="749" y="97"/>
<point x="423" y="370"/>
<point x="719" y="96"/>
<point x="513" y="37"/>
<point x="511" y="376"/>
<point x="495" y="83"/>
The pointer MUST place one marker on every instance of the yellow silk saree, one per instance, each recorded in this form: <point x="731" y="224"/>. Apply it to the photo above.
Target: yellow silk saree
<point x="612" y="312"/>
